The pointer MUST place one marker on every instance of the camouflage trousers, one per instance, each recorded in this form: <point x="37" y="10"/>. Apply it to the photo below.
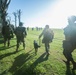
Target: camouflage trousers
<point x="47" y="47"/>
<point x="19" y="40"/>
<point x="6" y="39"/>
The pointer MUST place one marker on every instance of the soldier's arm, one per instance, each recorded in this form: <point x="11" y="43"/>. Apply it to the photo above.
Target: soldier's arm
<point x="67" y="33"/>
<point x="41" y="34"/>
<point x="52" y="34"/>
<point x="25" y="32"/>
<point x="15" y="30"/>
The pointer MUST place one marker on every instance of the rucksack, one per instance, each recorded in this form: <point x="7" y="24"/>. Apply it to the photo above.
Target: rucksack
<point x="70" y="33"/>
<point x="48" y="36"/>
<point x="7" y="30"/>
<point x="20" y="32"/>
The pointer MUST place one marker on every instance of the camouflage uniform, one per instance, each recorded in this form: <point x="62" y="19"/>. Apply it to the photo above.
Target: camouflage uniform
<point x="7" y="33"/>
<point x="20" y="35"/>
<point x="69" y="44"/>
<point x="48" y="39"/>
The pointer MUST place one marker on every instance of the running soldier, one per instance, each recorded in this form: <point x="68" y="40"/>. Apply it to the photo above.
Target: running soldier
<point x="7" y="33"/>
<point x="69" y="44"/>
<point x="48" y="36"/>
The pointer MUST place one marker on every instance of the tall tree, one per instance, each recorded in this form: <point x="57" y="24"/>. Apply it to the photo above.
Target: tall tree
<point x="19" y="15"/>
<point x="15" y="14"/>
<point x="3" y="9"/>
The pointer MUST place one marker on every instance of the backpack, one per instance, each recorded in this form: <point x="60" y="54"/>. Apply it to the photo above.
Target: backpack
<point x="7" y="30"/>
<point x="48" y="36"/>
<point x="20" y="32"/>
<point x="70" y="33"/>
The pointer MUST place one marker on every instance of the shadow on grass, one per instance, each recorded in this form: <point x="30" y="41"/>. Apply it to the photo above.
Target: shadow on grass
<point x="42" y="58"/>
<point x="3" y="48"/>
<point x="1" y="41"/>
<point x="18" y="67"/>
<point x="4" y="72"/>
<point x="68" y="69"/>
<point x="19" y="62"/>
<point x="8" y="54"/>
<point x="30" y="70"/>
<point x="13" y="38"/>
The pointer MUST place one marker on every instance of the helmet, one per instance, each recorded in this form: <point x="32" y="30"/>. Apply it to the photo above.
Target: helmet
<point x="72" y="18"/>
<point x="21" y="24"/>
<point x="47" y="26"/>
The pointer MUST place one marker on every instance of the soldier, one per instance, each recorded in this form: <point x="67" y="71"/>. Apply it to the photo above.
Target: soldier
<point x="7" y="33"/>
<point x="20" y="35"/>
<point x="69" y="44"/>
<point x="47" y="38"/>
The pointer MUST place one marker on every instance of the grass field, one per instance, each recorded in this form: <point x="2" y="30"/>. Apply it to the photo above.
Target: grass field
<point x="25" y="62"/>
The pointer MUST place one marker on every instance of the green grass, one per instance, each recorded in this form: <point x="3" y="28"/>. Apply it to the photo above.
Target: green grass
<point x="25" y="62"/>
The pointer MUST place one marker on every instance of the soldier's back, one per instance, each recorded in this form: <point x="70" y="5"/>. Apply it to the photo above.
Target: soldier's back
<point x="70" y="33"/>
<point x="20" y="31"/>
<point x="6" y="30"/>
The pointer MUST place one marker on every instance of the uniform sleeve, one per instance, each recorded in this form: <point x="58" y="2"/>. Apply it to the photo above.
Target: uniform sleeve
<point x="41" y="33"/>
<point x="15" y="31"/>
<point x="67" y="33"/>
<point x="25" y="32"/>
<point x="3" y="30"/>
<point x="52" y="33"/>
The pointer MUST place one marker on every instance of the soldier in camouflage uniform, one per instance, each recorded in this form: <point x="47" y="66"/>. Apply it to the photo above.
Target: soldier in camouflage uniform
<point x="7" y="33"/>
<point x="20" y="35"/>
<point x="47" y="38"/>
<point x="69" y="44"/>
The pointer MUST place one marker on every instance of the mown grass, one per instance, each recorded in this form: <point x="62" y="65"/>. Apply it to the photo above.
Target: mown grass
<point x="25" y="62"/>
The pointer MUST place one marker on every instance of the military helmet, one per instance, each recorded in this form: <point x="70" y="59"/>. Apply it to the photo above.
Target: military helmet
<point x="72" y="18"/>
<point x="47" y="26"/>
<point x="21" y="24"/>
